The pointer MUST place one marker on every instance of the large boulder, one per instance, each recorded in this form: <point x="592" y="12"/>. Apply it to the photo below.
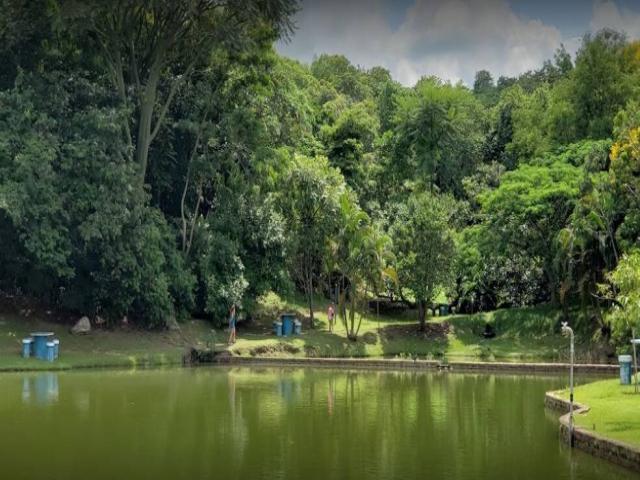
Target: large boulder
<point x="82" y="326"/>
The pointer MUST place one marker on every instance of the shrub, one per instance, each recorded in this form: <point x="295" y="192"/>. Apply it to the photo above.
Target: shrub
<point x="268" y="307"/>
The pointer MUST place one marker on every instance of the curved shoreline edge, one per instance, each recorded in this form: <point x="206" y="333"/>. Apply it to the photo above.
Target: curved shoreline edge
<point x="597" y="445"/>
<point x="406" y="364"/>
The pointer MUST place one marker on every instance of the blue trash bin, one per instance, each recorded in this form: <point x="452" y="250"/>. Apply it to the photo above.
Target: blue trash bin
<point x="51" y="351"/>
<point x="287" y="324"/>
<point x="625" y="369"/>
<point x="27" y="345"/>
<point x="56" y="348"/>
<point x="40" y="340"/>
<point x="444" y="310"/>
<point x="297" y="327"/>
<point x="277" y="328"/>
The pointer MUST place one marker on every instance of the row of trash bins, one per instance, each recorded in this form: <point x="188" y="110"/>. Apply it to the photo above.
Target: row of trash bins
<point x="48" y="350"/>
<point x="287" y="325"/>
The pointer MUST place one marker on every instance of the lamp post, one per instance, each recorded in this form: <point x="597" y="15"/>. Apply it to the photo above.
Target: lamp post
<point x="635" y="341"/>
<point x="568" y="332"/>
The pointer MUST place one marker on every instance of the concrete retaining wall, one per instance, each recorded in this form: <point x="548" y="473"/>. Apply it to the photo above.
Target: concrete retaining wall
<point x="615" y="451"/>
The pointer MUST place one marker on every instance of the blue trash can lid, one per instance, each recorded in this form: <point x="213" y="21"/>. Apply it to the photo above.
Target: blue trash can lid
<point x="624" y="358"/>
<point x="27" y="340"/>
<point x="50" y="344"/>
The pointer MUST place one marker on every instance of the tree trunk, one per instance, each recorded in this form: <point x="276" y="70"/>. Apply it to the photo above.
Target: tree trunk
<point x="343" y="303"/>
<point x="422" y="313"/>
<point x="309" y="283"/>
<point x="312" y="323"/>
<point x="144" y="131"/>
<point x="352" y="335"/>
<point x="147" y="106"/>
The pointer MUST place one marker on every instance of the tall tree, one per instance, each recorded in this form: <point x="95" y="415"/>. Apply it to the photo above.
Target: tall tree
<point x="484" y="88"/>
<point x="359" y="254"/>
<point x="310" y="201"/>
<point x="530" y="207"/>
<point x="151" y="48"/>
<point x="424" y="247"/>
<point x="600" y="85"/>
<point x="438" y="134"/>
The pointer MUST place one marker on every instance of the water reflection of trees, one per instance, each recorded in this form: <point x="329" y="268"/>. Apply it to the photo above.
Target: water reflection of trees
<point x="356" y="422"/>
<point x="257" y="423"/>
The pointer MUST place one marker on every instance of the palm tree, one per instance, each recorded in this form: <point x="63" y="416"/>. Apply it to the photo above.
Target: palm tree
<point x="360" y="252"/>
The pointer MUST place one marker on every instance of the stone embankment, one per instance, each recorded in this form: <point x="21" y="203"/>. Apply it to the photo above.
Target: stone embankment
<point x="615" y="451"/>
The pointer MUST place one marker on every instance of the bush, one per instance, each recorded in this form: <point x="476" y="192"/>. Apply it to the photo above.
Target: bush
<point x="268" y="307"/>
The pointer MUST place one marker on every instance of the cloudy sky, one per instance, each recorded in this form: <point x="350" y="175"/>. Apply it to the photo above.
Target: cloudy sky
<point x="452" y="38"/>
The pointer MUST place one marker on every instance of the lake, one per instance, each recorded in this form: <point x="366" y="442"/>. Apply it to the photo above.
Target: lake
<point x="289" y="423"/>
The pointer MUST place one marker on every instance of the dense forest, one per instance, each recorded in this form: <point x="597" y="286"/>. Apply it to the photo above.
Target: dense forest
<point x="159" y="159"/>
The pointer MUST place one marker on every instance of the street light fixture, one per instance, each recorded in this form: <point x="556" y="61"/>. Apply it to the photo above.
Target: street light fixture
<point x="567" y="331"/>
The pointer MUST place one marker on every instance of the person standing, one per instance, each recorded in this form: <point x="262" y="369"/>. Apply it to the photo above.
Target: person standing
<point x="331" y="315"/>
<point x="232" y="324"/>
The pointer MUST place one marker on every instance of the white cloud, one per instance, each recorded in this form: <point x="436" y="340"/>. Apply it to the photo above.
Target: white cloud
<point x="449" y="39"/>
<point x="606" y="14"/>
<point x="454" y="39"/>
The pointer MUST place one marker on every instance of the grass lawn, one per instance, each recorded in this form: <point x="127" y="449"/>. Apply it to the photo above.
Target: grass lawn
<point x="113" y="348"/>
<point x="522" y="334"/>
<point x="614" y="410"/>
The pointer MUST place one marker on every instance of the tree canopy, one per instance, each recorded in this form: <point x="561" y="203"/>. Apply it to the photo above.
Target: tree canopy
<point x="160" y="159"/>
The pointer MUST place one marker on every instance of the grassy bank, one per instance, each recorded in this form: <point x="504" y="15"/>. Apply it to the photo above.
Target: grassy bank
<point x="101" y="348"/>
<point x="614" y="410"/>
<point x="521" y="335"/>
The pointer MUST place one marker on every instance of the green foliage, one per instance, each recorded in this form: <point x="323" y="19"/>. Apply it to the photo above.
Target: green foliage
<point x="89" y="241"/>
<point x="485" y="89"/>
<point x="337" y="71"/>
<point x="625" y="169"/>
<point x="600" y="84"/>
<point x="438" y="134"/>
<point x="529" y="139"/>
<point x="359" y="253"/>
<point x="350" y="137"/>
<point x="161" y="159"/>
<point x="530" y="207"/>
<point x="625" y="314"/>
<point x="489" y="276"/>
<point x="268" y="307"/>
<point x="424" y="246"/>
<point x="310" y="202"/>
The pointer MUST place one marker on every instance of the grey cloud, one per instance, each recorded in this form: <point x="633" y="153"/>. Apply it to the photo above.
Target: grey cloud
<point x="448" y="38"/>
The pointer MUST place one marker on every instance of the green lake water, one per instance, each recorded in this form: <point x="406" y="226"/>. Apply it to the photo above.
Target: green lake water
<point x="253" y="423"/>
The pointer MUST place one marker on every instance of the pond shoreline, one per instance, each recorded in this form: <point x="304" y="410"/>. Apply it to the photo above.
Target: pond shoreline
<point x="402" y="364"/>
<point x="223" y="358"/>
<point x="600" y="446"/>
